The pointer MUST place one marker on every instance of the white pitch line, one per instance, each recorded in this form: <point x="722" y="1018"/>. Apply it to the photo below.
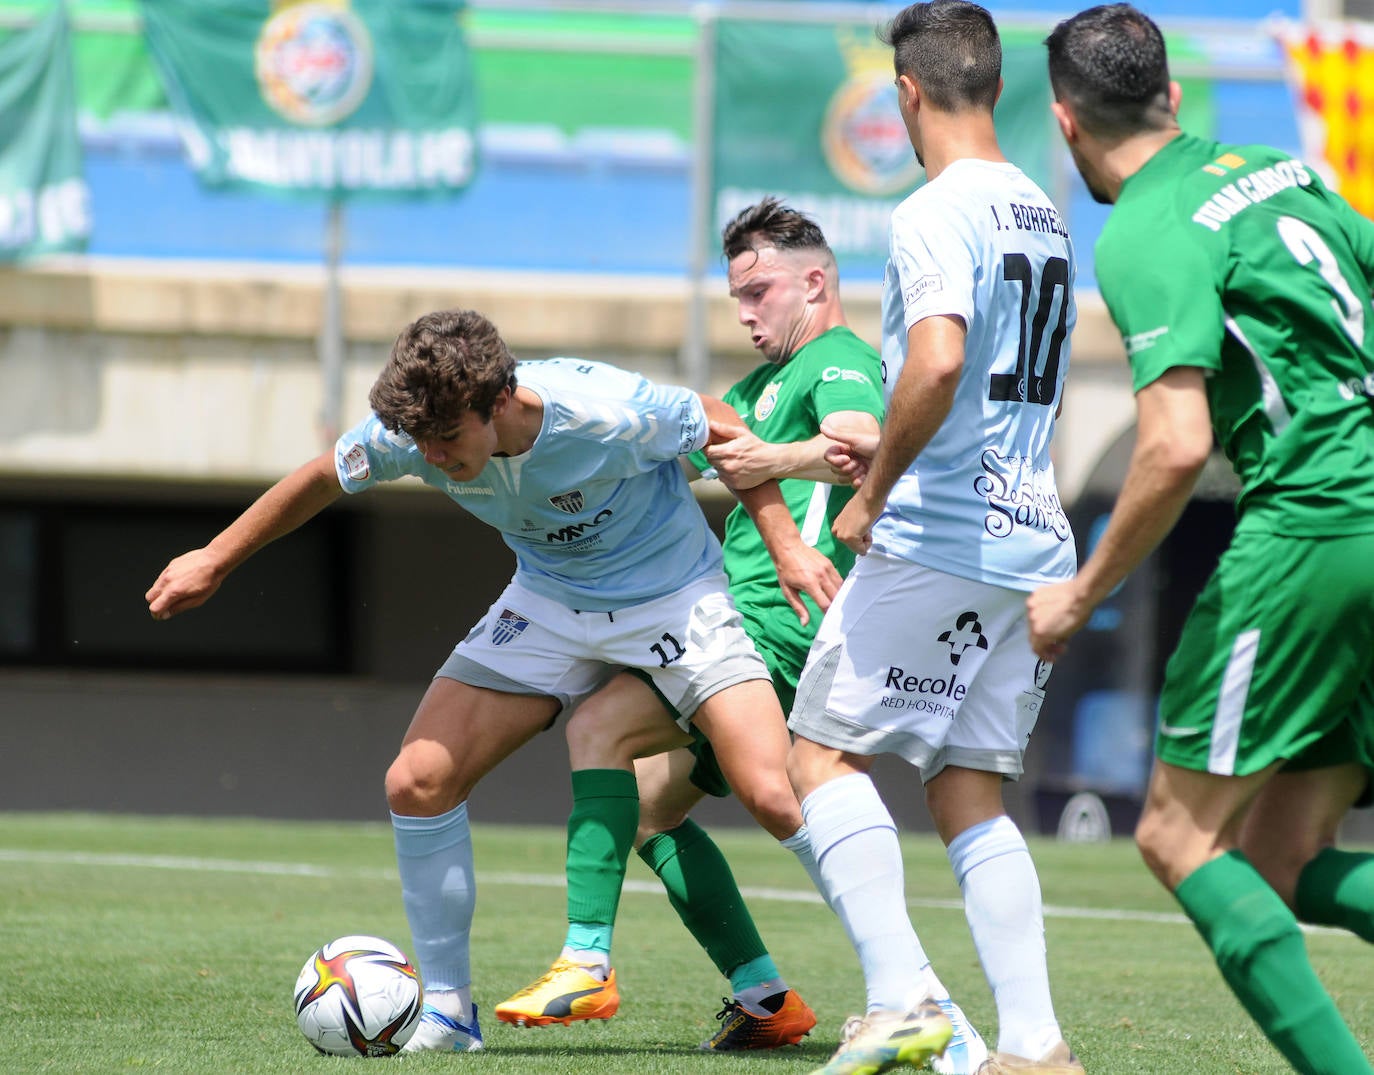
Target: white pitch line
<point x="525" y="880"/>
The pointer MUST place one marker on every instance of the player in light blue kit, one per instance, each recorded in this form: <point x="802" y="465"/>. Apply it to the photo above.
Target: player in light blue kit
<point x="618" y="584"/>
<point x="925" y="652"/>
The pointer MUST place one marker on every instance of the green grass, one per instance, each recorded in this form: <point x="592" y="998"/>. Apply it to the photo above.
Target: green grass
<point x="167" y="945"/>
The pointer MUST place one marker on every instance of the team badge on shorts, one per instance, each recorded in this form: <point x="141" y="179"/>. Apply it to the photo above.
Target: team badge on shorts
<point x="508" y="627"/>
<point x="571" y="502"/>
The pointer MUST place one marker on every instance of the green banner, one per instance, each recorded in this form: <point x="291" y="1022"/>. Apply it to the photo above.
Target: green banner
<point x="808" y="113"/>
<point x="44" y="201"/>
<point x="372" y="97"/>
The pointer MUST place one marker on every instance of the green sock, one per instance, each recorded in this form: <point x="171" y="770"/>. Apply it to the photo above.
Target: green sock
<point x="601" y="832"/>
<point x="1260" y="952"/>
<point x="1337" y="889"/>
<point x="703" y="892"/>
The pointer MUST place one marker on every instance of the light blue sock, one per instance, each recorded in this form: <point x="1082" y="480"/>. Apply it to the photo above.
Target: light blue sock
<point x="799" y="843"/>
<point x="434" y="857"/>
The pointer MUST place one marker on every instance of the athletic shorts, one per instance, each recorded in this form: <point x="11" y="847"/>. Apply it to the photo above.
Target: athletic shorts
<point x="922" y="664"/>
<point x="1276" y="660"/>
<point x="686" y="646"/>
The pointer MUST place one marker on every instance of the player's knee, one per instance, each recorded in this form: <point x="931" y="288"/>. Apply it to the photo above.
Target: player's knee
<point x="1153" y="843"/>
<point x="595" y="741"/>
<point x="416" y="789"/>
<point x="774" y="806"/>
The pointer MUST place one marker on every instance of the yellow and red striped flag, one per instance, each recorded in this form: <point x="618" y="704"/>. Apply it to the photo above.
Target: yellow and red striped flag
<point x="1331" y="69"/>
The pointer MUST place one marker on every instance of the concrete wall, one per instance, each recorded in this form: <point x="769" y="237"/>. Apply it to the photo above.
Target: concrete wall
<point x="210" y="371"/>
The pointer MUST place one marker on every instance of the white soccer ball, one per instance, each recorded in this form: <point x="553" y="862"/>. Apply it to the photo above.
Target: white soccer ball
<point x="358" y="996"/>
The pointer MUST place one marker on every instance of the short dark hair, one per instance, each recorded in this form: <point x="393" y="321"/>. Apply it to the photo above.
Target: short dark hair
<point x="441" y="366"/>
<point x="1109" y="65"/>
<point x="771" y="223"/>
<point x="951" y="49"/>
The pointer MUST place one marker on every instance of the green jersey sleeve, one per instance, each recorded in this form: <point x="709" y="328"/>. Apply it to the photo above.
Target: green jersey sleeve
<point x="1162" y="290"/>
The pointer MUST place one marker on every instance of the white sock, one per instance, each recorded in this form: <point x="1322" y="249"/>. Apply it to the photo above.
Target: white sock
<point x="860" y="865"/>
<point x="434" y="857"/>
<point x="455" y="1003"/>
<point x="598" y="964"/>
<point x="799" y="843"/>
<point x="1002" y="903"/>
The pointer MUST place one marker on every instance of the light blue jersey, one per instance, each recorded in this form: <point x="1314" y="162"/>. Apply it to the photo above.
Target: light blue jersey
<point x="598" y="511"/>
<point x="983" y="243"/>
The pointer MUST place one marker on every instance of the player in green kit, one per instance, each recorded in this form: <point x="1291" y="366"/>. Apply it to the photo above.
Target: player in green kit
<point x="783" y="276"/>
<point x="1241" y="286"/>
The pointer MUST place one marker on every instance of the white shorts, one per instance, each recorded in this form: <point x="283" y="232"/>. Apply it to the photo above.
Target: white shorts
<point x="688" y="646"/>
<point x="932" y="667"/>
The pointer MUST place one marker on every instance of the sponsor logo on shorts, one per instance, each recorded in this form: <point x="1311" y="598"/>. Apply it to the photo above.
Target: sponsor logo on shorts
<point x="355" y="463"/>
<point x="932" y="694"/>
<point x="966" y="632"/>
<point x="509" y="626"/>
<point x="570" y="502"/>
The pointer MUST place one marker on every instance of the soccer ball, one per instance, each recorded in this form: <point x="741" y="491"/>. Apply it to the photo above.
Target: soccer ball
<point x="358" y="996"/>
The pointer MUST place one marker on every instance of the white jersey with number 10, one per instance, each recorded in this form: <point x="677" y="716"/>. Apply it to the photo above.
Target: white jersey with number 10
<point x="983" y="243"/>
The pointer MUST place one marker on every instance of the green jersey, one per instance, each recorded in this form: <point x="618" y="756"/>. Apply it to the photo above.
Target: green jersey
<point x="1238" y="260"/>
<point x="781" y="404"/>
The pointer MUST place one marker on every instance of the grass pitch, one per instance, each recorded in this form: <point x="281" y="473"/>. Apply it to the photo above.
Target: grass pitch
<point x="172" y="945"/>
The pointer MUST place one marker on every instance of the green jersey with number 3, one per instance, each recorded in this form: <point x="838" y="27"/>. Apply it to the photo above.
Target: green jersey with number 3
<point x="1238" y="260"/>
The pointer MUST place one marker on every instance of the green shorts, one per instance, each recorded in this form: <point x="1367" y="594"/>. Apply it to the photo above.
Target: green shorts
<point x="1276" y="660"/>
<point x="784" y="666"/>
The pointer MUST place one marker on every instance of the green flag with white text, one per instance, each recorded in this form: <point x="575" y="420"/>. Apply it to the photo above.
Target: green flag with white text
<point x="808" y="112"/>
<point x="368" y="97"/>
<point x="44" y="201"/>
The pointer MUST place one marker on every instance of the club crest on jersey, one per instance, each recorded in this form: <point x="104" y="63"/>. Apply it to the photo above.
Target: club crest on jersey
<point x="571" y="502"/>
<point x="766" y="402"/>
<point x="509" y="626"/>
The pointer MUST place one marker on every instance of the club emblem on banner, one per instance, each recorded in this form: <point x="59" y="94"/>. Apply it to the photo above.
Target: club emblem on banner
<point x="509" y="626"/>
<point x="863" y="137"/>
<point x="313" y="63"/>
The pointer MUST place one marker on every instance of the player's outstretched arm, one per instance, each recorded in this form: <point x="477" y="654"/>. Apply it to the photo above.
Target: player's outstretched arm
<point x="192" y="578"/>
<point x="744" y="459"/>
<point x="801" y="569"/>
<point x="851" y="439"/>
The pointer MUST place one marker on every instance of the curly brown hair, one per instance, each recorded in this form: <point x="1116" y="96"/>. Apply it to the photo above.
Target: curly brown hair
<point x="441" y="366"/>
